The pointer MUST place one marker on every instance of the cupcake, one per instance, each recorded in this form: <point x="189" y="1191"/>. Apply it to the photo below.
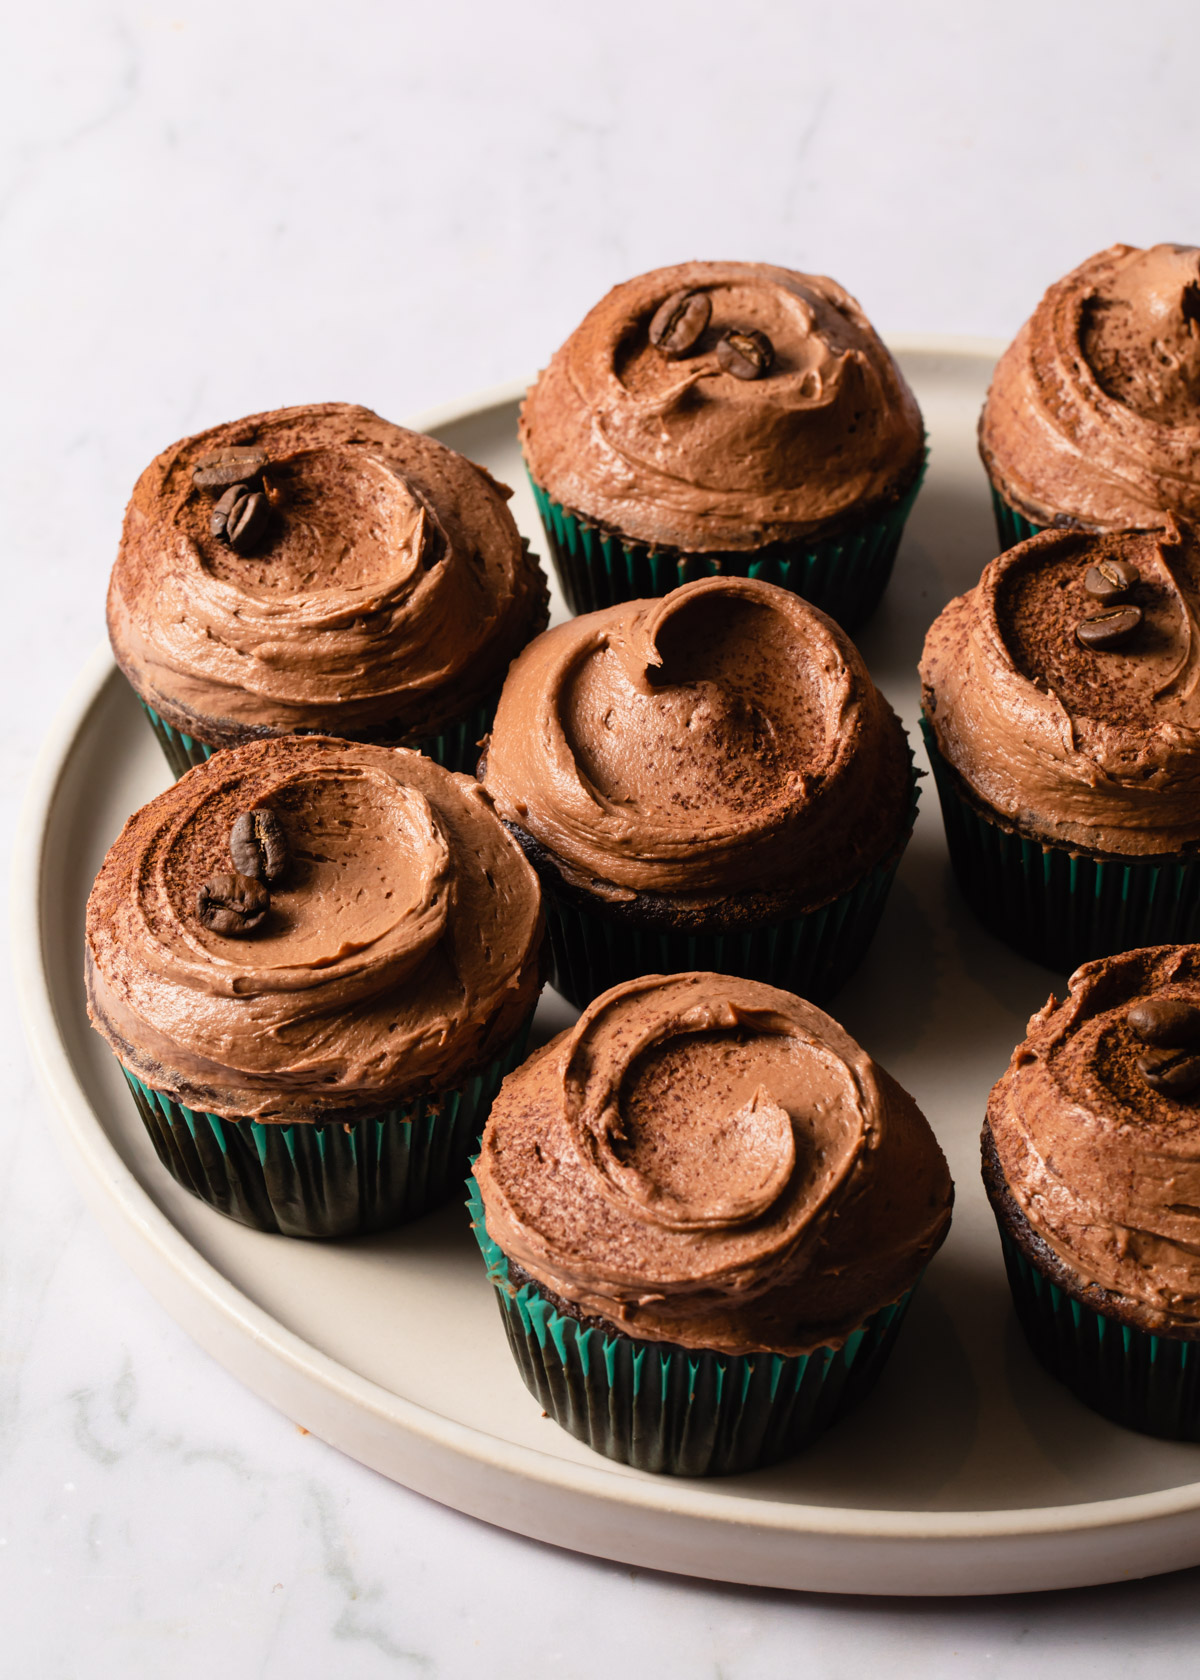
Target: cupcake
<point x="704" y="1209"/>
<point x="1093" y="416"/>
<point x="1091" y="1158"/>
<point x="706" y="779"/>
<point x="315" y="960"/>
<point x="320" y="570"/>
<point x="1062" y="718"/>
<point x="724" y="418"/>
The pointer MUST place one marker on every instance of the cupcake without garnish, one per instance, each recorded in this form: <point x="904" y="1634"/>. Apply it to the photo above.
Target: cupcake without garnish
<point x="704" y="1209"/>
<point x="731" y="418"/>
<point x="314" y="961"/>
<point x="1091" y="1158"/>
<point x="318" y="569"/>
<point x="707" y="779"/>
<point x="1093" y="416"/>
<point x="1062" y="718"/>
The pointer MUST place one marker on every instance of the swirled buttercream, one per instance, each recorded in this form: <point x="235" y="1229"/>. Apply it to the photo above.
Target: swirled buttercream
<point x="1094" y="409"/>
<point x="1071" y="744"/>
<point x="714" y="1163"/>
<point x="724" y="739"/>
<point x="400" y="950"/>
<point x="681" y="453"/>
<point x="1104" y="1170"/>
<point x="389" y="595"/>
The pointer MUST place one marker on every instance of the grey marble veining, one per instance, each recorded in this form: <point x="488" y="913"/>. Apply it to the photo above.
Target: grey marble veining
<point x="208" y="209"/>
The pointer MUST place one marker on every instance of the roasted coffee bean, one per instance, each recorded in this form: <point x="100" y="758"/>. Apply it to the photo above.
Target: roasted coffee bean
<point x="746" y="355"/>
<point x="232" y="904"/>
<point x="1169" y="1023"/>
<point x="1110" y="581"/>
<point x="224" y="467"/>
<point x="258" y="845"/>
<point x="1106" y="631"/>
<point x="241" y="518"/>
<point x="679" y="322"/>
<point x="1176" y="1073"/>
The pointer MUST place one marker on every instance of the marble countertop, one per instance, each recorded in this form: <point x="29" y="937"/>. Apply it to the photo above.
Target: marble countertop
<point x="211" y="209"/>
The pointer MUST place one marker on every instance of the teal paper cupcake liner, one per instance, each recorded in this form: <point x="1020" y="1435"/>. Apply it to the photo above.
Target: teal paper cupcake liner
<point x="327" y="1180"/>
<point x="844" y="575"/>
<point x="1145" y="1382"/>
<point x="1059" y="907"/>
<point x="1011" y="527"/>
<point x="813" y="954"/>
<point x="457" y="747"/>
<point x="674" y="1410"/>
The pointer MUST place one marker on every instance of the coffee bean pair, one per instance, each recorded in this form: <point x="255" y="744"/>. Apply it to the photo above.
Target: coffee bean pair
<point x="679" y="323"/>
<point x="235" y="904"/>
<point x="1170" y="1027"/>
<point x="1111" y="582"/>
<point x="242" y="513"/>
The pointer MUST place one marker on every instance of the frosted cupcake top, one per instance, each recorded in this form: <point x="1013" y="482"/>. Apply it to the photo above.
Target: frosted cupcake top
<point x="722" y="406"/>
<point x="724" y="738"/>
<point x="715" y="1163"/>
<point x="1096" y="1128"/>
<point x="1094" y="409"/>
<point x="304" y="927"/>
<point x="1065" y="689"/>
<point x="319" y="568"/>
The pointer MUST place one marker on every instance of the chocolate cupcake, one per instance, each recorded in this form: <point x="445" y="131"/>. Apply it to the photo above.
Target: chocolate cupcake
<point x="1062" y="718"/>
<point x="704" y="1209"/>
<point x="724" y="418"/>
<point x="1093" y="417"/>
<point x="314" y="961"/>
<point x="710" y="778"/>
<point x="1091" y="1158"/>
<point x="320" y="570"/>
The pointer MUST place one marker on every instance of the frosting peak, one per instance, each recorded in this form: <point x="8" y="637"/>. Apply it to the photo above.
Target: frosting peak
<point x="723" y="736"/>
<point x="1104" y="1168"/>
<point x="680" y="451"/>
<point x="400" y="944"/>
<point x="387" y="593"/>
<point x="1080" y="746"/>
<point x="1094" y="409"/>
<point x="713" y="1162"/>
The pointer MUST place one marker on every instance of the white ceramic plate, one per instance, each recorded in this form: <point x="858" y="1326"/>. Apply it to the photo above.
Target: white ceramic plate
<point x="967" y="1471"/>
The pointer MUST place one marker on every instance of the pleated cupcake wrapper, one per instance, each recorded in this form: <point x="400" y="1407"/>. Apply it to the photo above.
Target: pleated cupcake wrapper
<point x="457" y="747"/>
<point x="1052" y="904"/>
<point x="1146" y="1382"/>
<point x="812" y="954"/>
<point x="681" y="1411"/>
<point x="1011" y="527"/>
<point x="327" y="1180"/>
<point x="844" y="575"/>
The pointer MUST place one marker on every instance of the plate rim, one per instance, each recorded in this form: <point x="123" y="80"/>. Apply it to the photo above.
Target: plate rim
<point x="127" y="1210"/>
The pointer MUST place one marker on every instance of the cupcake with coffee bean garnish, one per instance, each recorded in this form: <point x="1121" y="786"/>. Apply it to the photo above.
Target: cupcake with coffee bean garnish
<point x="318" y="569"/>
<point x="704" y="1209"/>
<point x="1093" y="416"/>
<point x="724" y="418"/>
<point x="706" y="778"/>
<point x="1062" y="717"/>
<point x="1091" y="1158"/>
<point x="315" y="960"/>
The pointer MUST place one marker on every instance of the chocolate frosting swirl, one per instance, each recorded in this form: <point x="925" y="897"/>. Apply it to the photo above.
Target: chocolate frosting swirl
<point x="683" y="454"/>
<point x="389" y="597"/>
<point x="715" y="1163"/>
<point x="1073" y="745"/>
<point x="400" y="951"/>
<point x="1106" y="1170"/>
<point x="721" y="737"/>
<point x="1094" y="409"/>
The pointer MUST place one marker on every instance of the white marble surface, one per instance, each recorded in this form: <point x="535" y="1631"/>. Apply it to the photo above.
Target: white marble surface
<point x="206" y="209"/>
